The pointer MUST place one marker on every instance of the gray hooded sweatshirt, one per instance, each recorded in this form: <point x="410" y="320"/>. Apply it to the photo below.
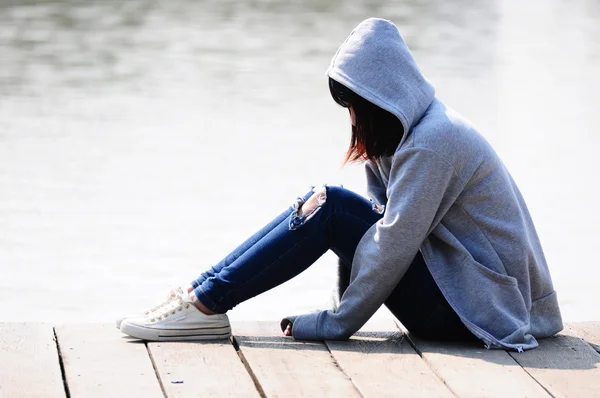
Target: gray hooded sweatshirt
<point x="446" y="194"/>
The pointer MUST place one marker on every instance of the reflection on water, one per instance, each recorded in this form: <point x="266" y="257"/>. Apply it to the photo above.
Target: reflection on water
<point x="140" y="141"/>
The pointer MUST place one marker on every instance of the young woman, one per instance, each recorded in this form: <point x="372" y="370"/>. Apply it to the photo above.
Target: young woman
<point x="446" y="243"/>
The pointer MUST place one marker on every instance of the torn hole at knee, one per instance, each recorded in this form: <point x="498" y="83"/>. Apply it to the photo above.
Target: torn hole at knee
<point x="305" y="210"/>
<point x="318" y="199"/>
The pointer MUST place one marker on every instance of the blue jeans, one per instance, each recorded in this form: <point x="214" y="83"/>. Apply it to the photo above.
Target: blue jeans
<point x="291" y="243"/>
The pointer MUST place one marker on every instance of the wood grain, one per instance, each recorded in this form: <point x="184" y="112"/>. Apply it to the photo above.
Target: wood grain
<point x="30" y="363"/>
<point x="285" y="367"/>
<point x="381" y="363"/>
<point x="565" y="365"/>
<point x="100" y="362"/>
<point x="470" y="370"/>
<point x="206" y="368"/>
<point x="589" y="331"/>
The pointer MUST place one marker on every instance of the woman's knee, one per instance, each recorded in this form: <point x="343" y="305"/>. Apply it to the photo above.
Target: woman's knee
<point x="335" y="192"/>
<point x="323" y="195"/>
<point x="318" y="198"/>
<point x="307" y="207"/>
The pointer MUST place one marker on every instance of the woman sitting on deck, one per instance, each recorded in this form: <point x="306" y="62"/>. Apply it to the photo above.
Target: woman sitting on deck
<point x="446" y="243"/>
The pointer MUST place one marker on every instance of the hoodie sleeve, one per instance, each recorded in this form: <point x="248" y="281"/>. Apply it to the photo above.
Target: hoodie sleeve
<point x="375" y="185"/>
<point x="422" y="187"/>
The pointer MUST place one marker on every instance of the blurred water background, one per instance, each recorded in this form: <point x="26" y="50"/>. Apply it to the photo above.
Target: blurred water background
<point x="140" y="141"/>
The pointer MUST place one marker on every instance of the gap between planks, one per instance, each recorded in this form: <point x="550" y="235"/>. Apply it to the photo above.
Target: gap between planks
<point x="562" y="366"/>
<point x="61" y="365"/>
<point x="29" y="354"/>
<point x="99" y="361"/>
<point x="287" y="367"/>
<point x="255" y="380"/>
<point x="381" y="362"/>
<point x="470" y="370"/>
<point x="156" y="373"/>
<point x="212" y="367"/>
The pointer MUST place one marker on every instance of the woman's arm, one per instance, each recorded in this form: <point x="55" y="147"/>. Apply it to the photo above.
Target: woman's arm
<point x="375" y="186"/>
<point x="422" y="187"/>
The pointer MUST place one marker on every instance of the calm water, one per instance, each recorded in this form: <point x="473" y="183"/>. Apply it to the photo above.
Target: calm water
<point x="141" y="140"/>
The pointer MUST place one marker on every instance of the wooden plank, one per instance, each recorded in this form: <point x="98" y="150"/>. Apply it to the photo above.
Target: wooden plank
<point x="30" y="362"/>
<point x="285" y="367"/>
<point x="381" y="363"/>
<point x="99" y="361"/>
<point x="470" y="370"/>
<point x="565" y="365"/>
<point x="207" y="368"/>
<point x="589" y="331"/>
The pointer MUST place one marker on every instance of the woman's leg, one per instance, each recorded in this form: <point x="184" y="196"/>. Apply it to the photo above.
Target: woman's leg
<point x="288" y="248"/>
<point x="418" y="303"/>
<point x="281" y="250"/>
<point x="241" y="249"/>
<point x="421" y="307"/>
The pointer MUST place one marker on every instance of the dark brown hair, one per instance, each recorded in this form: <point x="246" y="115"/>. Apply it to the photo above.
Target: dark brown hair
<point x="377" y="132"/>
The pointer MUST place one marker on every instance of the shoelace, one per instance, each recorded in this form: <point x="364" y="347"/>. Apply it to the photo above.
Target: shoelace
<point x="173" y="293"/>
<point x="171" y="308"/>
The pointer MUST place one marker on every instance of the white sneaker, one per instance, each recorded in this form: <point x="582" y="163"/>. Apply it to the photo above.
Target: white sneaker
<point x="173" y="293"/>
<point x="176" y="321"/>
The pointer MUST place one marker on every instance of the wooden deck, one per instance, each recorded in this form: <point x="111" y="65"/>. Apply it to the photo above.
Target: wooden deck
<point x="95" y="360"/>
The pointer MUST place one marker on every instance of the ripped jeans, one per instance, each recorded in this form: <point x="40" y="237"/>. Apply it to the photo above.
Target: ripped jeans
<point x="292" y="242"/>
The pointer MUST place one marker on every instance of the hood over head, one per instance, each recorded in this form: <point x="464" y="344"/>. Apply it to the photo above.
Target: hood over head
<point x="376" y="64"/>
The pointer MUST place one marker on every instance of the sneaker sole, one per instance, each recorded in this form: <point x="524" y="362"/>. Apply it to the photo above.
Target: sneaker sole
<point x="149" y="334"/>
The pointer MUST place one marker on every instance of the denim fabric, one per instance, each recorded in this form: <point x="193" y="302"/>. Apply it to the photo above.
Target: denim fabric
<point x="291" y="243"/>
<point x="421" y="307"/>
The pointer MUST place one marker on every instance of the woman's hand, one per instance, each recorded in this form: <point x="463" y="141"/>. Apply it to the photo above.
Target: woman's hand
<point x="288" y="330"/>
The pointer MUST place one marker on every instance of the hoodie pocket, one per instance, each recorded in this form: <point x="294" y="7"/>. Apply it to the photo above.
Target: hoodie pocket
<point x="493" y="275"/>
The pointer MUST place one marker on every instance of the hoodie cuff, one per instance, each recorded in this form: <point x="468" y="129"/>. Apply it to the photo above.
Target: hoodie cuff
<point x="286" y="321"/>
<point x="304" y="327"/>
